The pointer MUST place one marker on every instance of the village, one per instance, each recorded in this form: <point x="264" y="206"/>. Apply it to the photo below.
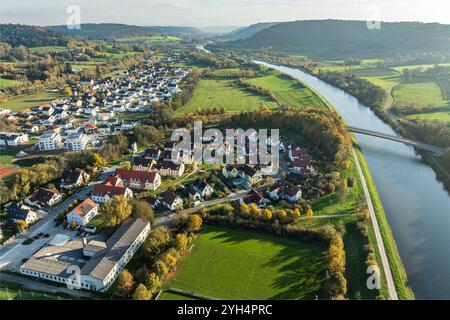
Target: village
<point x="60" y="224"/>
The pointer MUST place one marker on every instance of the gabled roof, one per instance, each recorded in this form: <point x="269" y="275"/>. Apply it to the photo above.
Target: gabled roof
<point x="142" y="176"/>
<point x="112" y="186"/>
<point x="85" y="207"/>
<point x="117" y="245"/>
<point x="169" y="197"/>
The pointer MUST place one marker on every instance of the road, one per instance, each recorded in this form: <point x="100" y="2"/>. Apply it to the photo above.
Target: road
<point x="384" y="260"/>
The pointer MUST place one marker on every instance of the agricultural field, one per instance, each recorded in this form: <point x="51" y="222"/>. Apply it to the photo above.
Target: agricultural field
<point x="25" y="101"/>
<point x="218" y="93"/>
<point x="444" y="83"/>
<point x="150" y="39"/>
<point x="47" y="49"/>
<point x="441" y="116"/>
<point x="426" y="93"/>
<point x="424" y="66"/>
<point x="235" y="264"/>
<point x="373" y="72"/>
<point x="384" y="82"/>
<point x="7" y="83"/>
<point x="287" y="91"/>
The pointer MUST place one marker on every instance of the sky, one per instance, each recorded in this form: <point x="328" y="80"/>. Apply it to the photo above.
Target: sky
<point x="209" y="13"/>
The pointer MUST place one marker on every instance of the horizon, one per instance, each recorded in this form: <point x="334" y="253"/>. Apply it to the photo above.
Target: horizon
<point x="232" y="13"/>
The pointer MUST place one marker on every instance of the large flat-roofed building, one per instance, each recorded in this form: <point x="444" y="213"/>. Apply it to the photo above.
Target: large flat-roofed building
<point x="100" y="263"/>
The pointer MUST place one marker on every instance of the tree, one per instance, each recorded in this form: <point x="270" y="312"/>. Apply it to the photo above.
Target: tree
<point x="194" y="222"/>
<point x="98" y="161"/>
<point x="267" y="214"/>
<point x="296" y="213"/>
<point x="345" y="164"/>
<point x="125" y="283"/>
<point x="22" y="225"/>
<point x="254" y="210"/>
<point x="143" y="210"/>
<point x="68" y="91"/>
<point x="169" y="260"/>
<point x="153" y="283"/>
<point x="156" y="242"/>
<point x="244" y="209"/>
<point x="126" y="165"/>
<point x="181" y="241"/>
<point x="116" y="211"/>
<point x="336" y="285"/>
<point x="160" y="268"/>
<point x="282" y="214"/>
<point x="141" y="293"/>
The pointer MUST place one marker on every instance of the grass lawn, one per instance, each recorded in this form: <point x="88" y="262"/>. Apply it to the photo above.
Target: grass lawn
<point x="25" y="101"/>
<point x="355" y="267"/>
<point x="397" y="268"/>
<point x="287" y="91"/>
<point x="6" y="155"/>
<point x="423" y="93"/>
<point x="217" y="93"/>
<point x="332" y="204"/>
<point x="10" y="291"/>
<point x="171" y="295"/>
<point x="234" y="264"/>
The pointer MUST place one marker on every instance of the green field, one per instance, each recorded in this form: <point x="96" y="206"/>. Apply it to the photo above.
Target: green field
<point x="217" y="93"/>
<point x="287" y="91"/>
<point x="7" y="83"/>
<point x="10" y="291"/>
<point x="384" y="82"/>
<point x="332" y="204"/>
<point x="424" y="66"/>
<point x="47" y="49"/>
<point x="441" y="116"/>
<point x="25" y="101"/>
<point x="234" y="264"/>
<point x="150" y="39"/>
<point x="426" y="93"/>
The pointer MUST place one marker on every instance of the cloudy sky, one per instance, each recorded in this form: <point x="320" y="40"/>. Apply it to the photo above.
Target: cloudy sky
<point x="204" y="13"/>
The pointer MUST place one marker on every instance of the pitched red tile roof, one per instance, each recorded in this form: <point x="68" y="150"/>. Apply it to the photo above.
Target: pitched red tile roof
<point x="143" y="176"/>
<point x="85" y="207"/>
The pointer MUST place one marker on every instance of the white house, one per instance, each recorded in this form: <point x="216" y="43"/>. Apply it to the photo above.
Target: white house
<point x="76" y="141"/>
<point x="83" y="213"/>
<point x="171" y="201"/>
<point x="13" y="139"/>
<point x="50" y="140"/>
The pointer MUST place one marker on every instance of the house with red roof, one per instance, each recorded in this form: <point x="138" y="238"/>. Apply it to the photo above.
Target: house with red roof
<point x="140" y="180"/>
<point x="83" y="213"/>
<point x="111" y="187"/>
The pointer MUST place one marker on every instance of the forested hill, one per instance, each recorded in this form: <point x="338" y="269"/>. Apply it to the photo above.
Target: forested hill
<point x="244" y="33"/>
<point x="112" y="31"/>
<point x="177" y="31"/>
<point x="337" y="38"/>
<point x="31" y="36"/>
<point x="104" y="31"/>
